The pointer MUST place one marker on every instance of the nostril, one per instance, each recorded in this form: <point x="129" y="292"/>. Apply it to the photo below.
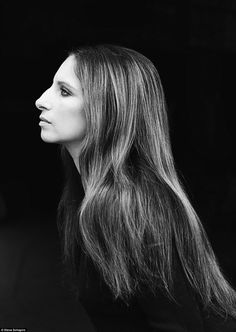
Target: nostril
<point x="39" y="105"/>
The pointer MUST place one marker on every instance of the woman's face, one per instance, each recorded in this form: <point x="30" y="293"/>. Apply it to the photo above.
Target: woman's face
<point x="62" y="106"/>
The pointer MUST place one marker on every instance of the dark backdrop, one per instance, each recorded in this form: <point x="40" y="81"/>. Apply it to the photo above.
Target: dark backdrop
<point x="192" y="44"/>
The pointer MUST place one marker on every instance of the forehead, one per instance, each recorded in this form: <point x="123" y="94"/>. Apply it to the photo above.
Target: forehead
<point x="66" y="71"/>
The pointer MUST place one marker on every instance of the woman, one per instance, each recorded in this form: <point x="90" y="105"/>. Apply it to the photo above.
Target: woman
<point x="137" y="250"/>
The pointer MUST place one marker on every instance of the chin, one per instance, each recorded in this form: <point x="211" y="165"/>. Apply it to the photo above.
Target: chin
<point x="48" y="139"/>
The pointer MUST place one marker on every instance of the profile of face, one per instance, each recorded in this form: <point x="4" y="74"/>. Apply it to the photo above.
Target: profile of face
<point x="61" y="105"/>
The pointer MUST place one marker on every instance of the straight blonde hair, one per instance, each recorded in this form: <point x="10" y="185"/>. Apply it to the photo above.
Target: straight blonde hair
<point x="134" y="211"/>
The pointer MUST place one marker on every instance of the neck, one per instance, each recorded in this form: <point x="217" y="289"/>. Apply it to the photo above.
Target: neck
<point x="74" y="152"/>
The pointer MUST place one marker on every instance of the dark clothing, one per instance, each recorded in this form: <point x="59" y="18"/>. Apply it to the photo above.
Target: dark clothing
<point x="145" y="312"/>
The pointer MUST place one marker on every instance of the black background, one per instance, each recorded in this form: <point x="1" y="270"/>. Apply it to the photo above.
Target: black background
<point x="192" y="44"/>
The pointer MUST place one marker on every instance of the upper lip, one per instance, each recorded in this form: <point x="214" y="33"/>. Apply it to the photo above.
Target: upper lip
<point x="44" y="119"/>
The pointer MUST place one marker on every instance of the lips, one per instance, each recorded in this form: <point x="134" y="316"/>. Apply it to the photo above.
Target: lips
<point x="43" y="119"/>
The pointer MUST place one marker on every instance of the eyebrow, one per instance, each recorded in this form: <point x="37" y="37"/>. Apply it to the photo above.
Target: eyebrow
<point x="65" y="83"/>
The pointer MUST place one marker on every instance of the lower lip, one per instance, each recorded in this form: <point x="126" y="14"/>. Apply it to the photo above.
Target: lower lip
<point x="43" y="123"/>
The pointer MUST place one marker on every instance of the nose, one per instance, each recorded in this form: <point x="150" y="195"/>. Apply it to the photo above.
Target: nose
<point x="42" y="103"/>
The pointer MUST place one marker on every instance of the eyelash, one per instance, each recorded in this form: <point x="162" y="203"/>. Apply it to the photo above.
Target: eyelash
<point x="62" y="89"/>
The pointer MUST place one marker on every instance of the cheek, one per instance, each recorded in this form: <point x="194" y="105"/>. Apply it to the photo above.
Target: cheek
<point x="73" y="122"/>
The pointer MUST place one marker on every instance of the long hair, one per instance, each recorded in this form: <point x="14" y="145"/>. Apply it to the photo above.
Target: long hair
<point x="135" y="210"/>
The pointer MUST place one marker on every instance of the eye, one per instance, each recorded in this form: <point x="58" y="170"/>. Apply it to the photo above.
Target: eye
<point x="64" y="92"/>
